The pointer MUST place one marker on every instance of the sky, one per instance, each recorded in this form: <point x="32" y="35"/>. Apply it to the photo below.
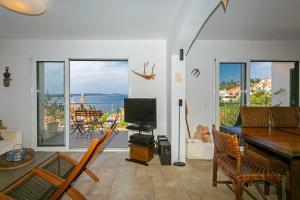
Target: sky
<point x="99" y="77"/>
<point x="232" y="71"/>
<point x="88" y="77"/>
<point x="53" y="77"/>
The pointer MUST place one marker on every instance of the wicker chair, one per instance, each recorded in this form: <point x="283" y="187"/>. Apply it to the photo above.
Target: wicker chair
<point x="259" y="117"/>
<point x="285" y="117"/>
<point x="39" y="184"/>
<point x="240" y="170"/>
<point x="61" y="165"/>
<point x="255" y="117"/>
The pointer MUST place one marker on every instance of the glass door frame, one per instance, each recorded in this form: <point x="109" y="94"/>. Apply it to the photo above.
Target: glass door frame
<point x="33" y="106"/>
<point x="216" y="81"/>
<point x="33" y="94"/>
<point x="72" y="58"/>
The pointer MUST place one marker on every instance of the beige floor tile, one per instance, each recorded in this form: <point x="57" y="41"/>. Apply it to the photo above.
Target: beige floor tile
<point x="122" y="180"/>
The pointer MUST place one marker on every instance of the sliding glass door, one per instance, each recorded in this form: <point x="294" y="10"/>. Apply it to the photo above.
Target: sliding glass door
<point x="232" y="92"/>
<point x="254" y="84"/>
<point x="273" y="84"/>
<point x="50" y="103"/>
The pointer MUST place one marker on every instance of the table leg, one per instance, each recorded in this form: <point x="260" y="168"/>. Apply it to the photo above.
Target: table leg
<point x="295" y="179"/>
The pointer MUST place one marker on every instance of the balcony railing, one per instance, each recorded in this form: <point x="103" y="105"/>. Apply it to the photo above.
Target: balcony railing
<point x="103" y="107"/>
<point x="54" y="112"/>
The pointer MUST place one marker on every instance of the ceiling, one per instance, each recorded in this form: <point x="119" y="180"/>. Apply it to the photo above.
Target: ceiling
<point x="254" y="20"/>
<point x="94" y="19"/>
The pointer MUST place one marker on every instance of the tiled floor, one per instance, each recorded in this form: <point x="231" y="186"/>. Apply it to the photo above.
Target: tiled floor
<point x="115" y="141"/>
<point x="120" y="180"/>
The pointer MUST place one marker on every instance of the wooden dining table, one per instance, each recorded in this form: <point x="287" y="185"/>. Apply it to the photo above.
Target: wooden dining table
<point x="284" y="142"/>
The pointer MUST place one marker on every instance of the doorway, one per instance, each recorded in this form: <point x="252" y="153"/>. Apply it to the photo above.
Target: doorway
<point x="97" y="92"/>
<point x="232" y="92"/>
<point x="255" y="84"/>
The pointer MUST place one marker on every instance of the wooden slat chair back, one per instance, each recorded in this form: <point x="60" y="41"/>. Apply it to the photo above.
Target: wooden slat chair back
<point x="108" y="133"/>
<point x="62" y="165"/>
<point x="95" y="120"/>
<point x="255" y="117"/>
<point x="80" y="115"/>
<point x="79" y="168"/>
<point x="79" y="122"/>
<point x="241" y="170"/>
<point x="39" y="184"/>
<point x="227" y="145"/>
<point x="285" y="117"/>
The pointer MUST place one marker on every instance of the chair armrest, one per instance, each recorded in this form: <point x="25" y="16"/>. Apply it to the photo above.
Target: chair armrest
<point x="67" y="158"/>
<point x="51" y="178"/>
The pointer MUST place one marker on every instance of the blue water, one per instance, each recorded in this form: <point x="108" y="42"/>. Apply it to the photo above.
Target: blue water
<point x="104" y="102"/>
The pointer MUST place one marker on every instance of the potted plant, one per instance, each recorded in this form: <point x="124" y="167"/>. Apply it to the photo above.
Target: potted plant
<point x="55" y="114"/>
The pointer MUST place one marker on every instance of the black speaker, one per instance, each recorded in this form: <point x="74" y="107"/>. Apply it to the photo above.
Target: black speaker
<point x="160" y="138"/>
<point x="164" y="152"/>
<point x="181" y="56"/>
<point x="180" y="102"/>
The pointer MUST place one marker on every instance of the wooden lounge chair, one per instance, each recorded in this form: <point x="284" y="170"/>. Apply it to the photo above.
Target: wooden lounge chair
<point x="40" y="184"/>
<point x="62" y="165"/>
<point x="241" y="170"/>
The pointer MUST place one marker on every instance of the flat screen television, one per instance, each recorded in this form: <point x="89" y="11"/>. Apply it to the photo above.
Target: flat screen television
<point x="140" y="111"/>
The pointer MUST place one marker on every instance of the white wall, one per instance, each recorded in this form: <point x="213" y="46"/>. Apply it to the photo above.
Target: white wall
<point x="15" y="100"/>
<point x="184" y="30"/>
<point x="200" y="91"/>
<point x="178" y="92"/>
<point x="281" y="81"/>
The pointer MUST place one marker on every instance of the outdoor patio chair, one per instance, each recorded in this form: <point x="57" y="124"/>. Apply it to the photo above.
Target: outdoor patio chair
<point x="80" y="123"/>
<point x="95" y="121"/>
<point x="62" y="165"/>
<point x="111" y="122"/>
<point x="241" y="170"/>
<point x="40" y="184"/>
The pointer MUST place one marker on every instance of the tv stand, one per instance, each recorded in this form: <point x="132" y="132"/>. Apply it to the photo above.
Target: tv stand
<point x="141" y="128"/>
<point x="141" y="145"/>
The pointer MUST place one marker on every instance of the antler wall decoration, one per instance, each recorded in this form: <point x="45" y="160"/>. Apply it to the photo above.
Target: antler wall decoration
<point x="144" y="74"/>
<point x="225" y="4"/>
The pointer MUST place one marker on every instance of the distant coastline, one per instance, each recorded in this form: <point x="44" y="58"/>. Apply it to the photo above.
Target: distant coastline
<point x="105" y="102"/>
<point x="95" y="94"/>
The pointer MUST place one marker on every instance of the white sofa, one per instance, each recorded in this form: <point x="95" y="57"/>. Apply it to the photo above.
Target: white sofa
<point x="10" y="139"/>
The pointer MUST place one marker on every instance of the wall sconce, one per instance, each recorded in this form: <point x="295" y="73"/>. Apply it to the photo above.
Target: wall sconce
<point x="7" y="78"/>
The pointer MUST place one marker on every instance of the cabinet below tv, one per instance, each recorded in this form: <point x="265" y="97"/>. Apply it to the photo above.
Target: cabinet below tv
<point x="141" y="153"/>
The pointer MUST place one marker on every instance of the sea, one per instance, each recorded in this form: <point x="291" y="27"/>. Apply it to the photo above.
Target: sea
<point x="109" y="103"/>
